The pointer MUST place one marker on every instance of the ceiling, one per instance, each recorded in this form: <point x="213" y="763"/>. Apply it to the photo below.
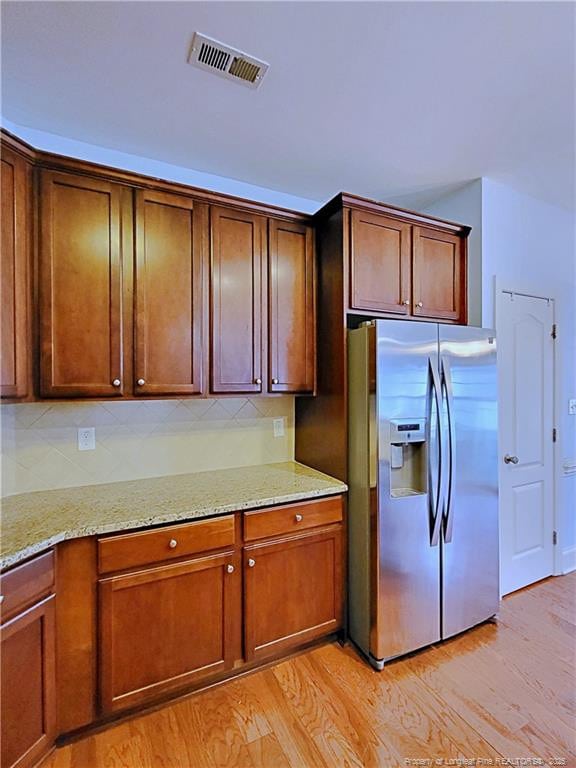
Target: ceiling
<point x="377" y="98"/>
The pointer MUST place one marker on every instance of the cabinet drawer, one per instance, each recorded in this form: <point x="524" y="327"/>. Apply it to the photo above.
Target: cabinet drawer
<point x="276" y="521"/>
<point x="25" y="584"/>
<point x="128" y="550"/>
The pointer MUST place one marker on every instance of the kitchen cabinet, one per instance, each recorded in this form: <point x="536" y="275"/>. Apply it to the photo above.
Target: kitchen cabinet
<point x="292" y="591"/>
<point x="168" y="294"/>
<point x="80" y="287"/>
<point x="27" y="670"/>
<point x="237" y="258"/>
<point x="380" y="264"/>
<point x="398" y="269"/>
<point x="291" y="301"/>
<point x="167" y="625"/>
<point x="439" y="279"/>
<point x="14" y="276"/>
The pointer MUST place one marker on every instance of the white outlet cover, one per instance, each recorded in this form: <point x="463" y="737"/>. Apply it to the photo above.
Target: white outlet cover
<point x="86" y="439"/>
<point x="572" y="406"/>
<point x="278" y="427"/>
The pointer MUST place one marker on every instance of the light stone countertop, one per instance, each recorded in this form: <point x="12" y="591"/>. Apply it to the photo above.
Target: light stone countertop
<point x="32" y="522"/>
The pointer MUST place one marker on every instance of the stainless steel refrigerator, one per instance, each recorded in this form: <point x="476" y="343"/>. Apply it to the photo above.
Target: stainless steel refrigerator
<point x="423" y="480"/>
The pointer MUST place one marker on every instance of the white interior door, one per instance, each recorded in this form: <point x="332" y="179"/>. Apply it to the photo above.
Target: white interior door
<point x="526" y="381"/>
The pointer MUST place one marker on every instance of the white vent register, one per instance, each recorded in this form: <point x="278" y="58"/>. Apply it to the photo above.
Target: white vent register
<point x="228" y="62"/>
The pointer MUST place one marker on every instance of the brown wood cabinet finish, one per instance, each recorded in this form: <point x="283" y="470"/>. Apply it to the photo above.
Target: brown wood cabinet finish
<point x="292" y="591"/>
<point x="438" y="273"/>
<point x="380" y="263"/>
<point x="80" y="285"/>
<point x="292" y="518"/>
<point x="14" y="276"/>
<point x="26" y="584"/>
<point x="129" y="550"/>
<point x="291" y="319"/>
<point x="28" y="686"/>
<point x="237" y="253"/>
<point x="164" y="628"/>
<point x="168" y="295"/>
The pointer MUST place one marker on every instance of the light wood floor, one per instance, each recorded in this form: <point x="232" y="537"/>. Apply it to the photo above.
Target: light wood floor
<point x="498" y="691"/>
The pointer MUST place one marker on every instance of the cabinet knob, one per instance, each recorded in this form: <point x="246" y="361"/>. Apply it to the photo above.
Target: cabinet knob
<point x="257" y="381"/>
<point x="116" y="383"/>
<point x="172" y="543"/>
<point x="230" y="569"/>
<point x="1" y="599"/>
<point x="274" y="381"/>
<point x="141" y="382"/>
<point x="298" y="518"/>
<point x="251" y="563"/>
<point x="406" y="302"/>
<point x="419" y="304"/>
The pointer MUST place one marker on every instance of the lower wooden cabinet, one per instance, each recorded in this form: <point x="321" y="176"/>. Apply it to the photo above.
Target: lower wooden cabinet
<point x="164" y="627"/>
<point x="28" y="683"/>
<point x="292" y="591"/>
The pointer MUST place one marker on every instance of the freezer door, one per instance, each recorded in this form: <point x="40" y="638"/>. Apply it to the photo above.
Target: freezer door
<point x="470" y="515"/>
<point x="406" y="581"/>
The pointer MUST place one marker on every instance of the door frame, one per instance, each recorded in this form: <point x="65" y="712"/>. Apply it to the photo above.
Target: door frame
<point x="502" y="288"/>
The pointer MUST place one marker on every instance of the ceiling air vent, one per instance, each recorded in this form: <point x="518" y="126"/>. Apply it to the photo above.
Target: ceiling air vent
<point x="225" y="61"/>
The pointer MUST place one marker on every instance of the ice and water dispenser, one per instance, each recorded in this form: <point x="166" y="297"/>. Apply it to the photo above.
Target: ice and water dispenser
<point x="408" y="457"/>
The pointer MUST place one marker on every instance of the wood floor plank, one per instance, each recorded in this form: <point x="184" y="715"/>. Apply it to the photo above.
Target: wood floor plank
<point x="503" y="690"/>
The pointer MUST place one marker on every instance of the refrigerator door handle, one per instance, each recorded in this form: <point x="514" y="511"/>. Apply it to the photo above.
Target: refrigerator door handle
<point x="449" y="504"/>
<point x="435" y="486"/>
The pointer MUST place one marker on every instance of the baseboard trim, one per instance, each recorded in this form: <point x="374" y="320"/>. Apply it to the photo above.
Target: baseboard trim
<point x="568" y="560"/>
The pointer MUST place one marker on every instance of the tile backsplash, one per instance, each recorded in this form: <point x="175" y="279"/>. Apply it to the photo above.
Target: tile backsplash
<point x="137" y="439"/>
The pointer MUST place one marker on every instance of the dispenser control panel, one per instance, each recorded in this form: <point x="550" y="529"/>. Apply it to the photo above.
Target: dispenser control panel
<point x="407" y="430"/>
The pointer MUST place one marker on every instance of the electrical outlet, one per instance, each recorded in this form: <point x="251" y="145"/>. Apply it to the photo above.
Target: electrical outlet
<point x="86" y="439"/>
<point x="278" y="427"/>
<point x="572" y="407"/>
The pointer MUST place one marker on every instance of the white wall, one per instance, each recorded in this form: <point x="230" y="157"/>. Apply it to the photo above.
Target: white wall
<point x="530" y="244"/>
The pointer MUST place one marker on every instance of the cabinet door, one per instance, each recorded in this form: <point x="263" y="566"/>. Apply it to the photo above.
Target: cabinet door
<point x="236" y="301"/>
<point x="380" y="264"/>
<point x="14" y="276"/>
<point x="168" y="322"/>
<point x="80" y="287"/>
<point x="293" y="591"/>
<point x="291" y="326"/>
<point x="439" y="275"/>
<point x="163" y="628"/>
<point x="28" y="686"/>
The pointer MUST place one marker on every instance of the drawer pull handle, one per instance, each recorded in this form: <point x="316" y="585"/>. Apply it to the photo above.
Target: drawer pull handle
<point x="172" y="543"/>
<point x="251" y="563"/>
<point x="230" y="569"/>
<point x="298" y="518"/>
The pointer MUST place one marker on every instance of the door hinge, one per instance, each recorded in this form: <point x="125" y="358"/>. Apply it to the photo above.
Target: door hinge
<point x="554" y="537"/>
<point x="554" y="333"/>
<point x="554" y="435"/>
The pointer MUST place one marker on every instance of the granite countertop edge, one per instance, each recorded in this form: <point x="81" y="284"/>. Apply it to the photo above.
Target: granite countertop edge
<point x="150" y="520"/>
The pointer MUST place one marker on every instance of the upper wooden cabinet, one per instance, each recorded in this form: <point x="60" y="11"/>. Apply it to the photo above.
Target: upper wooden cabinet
<point x="398" y="269"/>
<point x="80" y="285"/>
<point x="380" y="264"/>
<point x="291" y="319"/>
<point x="14" y="276"/>
<point x="168" y="294"/>
<point x="237" y="247"/>
<point x="439" y="280"/>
